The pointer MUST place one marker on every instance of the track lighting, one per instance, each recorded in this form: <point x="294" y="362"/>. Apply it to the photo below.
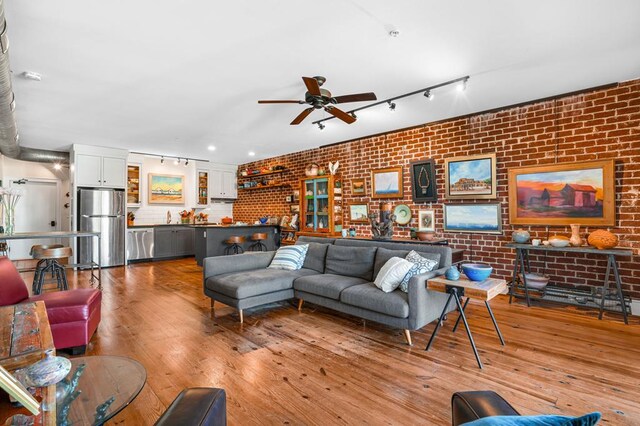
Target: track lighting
<point x="57" y="166"/>
<point x="427" y="92"/>
<point x="186" y="163"/>
<point x="176" y="161"/>
<point x="161" y="160"/>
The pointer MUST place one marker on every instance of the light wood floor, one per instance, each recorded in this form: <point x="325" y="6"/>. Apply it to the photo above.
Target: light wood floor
<point x="320" y="367"/>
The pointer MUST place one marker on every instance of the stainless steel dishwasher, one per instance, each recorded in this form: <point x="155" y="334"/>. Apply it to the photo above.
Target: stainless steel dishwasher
<point x="139" y="244"/>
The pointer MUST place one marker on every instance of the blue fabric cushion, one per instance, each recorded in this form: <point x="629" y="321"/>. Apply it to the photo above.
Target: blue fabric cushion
<point x="586" y="420"/>
<point x="420" y="266"/>
<point x="290" y="258"/>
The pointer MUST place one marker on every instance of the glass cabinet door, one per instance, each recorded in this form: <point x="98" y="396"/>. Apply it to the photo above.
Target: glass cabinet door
<point x="133" y="185"/>
<point x="322" y="205"/>
<point x="203" y="188"/>
<point x="309" y="206"/>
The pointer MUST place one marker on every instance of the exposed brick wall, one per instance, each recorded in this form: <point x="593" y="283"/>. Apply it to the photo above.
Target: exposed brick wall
<point x="594" y="125"/>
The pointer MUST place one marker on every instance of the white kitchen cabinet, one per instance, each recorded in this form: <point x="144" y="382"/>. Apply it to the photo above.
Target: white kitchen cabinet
<point x="99" y="171"/>
<point x="88" y="170"/>
<point x="222" y="184"/>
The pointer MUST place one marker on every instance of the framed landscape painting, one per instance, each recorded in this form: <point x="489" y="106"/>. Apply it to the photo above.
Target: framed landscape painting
<point x="358" y="187"/>
<point x="423" y="181"/>
<point x="359" y="213"/>
<point x="386" y="183"/>
<point x="470" y="177"/>
<point x="561" y="194"/>
<point x="483" y="218"/>
<point x="166" y="189"/>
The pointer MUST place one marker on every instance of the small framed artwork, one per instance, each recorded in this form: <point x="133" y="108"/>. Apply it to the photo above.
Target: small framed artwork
<point x="295" y="208"/>
<point x="470" y="177"/>
<point x="359" y="213"/>
<point x="166" y="189"/>
<point x="288" y="199"/>
<point x="423" y="181"/>
<point x="358" y="187"/>
<point x="427" y="220"/>
<point x="562" y="194"/>
<point x="386" y="183"/>
<point x="485" y="218"/>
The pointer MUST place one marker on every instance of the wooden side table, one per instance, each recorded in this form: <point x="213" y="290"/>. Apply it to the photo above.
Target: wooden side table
<point x="484" y="290"/>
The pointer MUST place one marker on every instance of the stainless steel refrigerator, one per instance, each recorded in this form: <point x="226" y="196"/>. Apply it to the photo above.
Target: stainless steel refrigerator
<point x="104" y="211"/>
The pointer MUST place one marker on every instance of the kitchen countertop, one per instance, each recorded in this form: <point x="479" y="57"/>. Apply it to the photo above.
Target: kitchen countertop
<point x="199" y="225"/>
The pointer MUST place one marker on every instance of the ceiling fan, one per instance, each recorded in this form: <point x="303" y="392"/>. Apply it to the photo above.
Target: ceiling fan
<point x="321" y="99"/>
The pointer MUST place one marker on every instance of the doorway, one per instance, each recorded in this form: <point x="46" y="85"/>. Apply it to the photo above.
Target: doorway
<point x="37" y="211"/>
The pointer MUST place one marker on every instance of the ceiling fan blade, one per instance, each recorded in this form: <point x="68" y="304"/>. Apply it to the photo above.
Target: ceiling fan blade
<point x="302" y="116"/>
<point x="312" y="86"/>
<point x="338" y="113"/>
<point x="281" y="102"/>
<point x="355" y="98"/>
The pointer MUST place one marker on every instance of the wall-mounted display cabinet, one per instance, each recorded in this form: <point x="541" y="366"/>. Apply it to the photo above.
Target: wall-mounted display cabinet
<point x="321" y="205"/>
<point x="202" y="195"/>
<point x="134" y="188"/>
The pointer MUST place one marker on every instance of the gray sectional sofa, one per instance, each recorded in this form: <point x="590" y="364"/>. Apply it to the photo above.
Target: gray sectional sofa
<point x="337" y="274"/>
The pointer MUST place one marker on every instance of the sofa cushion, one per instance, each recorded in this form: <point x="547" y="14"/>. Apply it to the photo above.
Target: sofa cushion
<point x="392" y="274"/>
<point x="383" y="255"/>
<point x="350" y="261"/>
<point x="590" y="419"/>
<point x="420" y="265"/>
<point x="290" y="258"/>
<point x="326" y="285"/>
<point x="70" y="305"/>
<point x="316" y="256"/>
<point x="241" y="285"/>
<point x="370" y="297"/>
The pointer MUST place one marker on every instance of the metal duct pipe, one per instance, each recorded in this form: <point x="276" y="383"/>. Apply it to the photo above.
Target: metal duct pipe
<point x="8" y="128"/>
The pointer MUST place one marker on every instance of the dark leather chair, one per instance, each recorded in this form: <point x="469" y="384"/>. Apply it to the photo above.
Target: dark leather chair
<point x="74" y="315"/>
<point x="474" y="405"/>
<point x="196" y="407"/>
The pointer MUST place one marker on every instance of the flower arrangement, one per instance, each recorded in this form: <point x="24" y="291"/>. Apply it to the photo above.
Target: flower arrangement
<point x="185" y="216"/>
<point x="9" y="197"/>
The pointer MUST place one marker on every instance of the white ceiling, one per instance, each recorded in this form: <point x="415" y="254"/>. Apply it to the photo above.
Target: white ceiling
<point x="172" y="77"/>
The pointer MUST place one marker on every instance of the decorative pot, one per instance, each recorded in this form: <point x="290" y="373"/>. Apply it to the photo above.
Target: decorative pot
<point x="575" y="239"/>
<point x="602" y="239"/>
<point x="452" y="274"/>
<point x="559" y="241"/>
<point x="521" y="236"/>
<point x="46" y="372"/>
<point x="311" y="170"/>
<point x="425" y="235"/>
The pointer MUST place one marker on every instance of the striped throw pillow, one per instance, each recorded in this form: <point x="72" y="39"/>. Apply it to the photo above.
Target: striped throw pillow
<point x="290" y="258"/>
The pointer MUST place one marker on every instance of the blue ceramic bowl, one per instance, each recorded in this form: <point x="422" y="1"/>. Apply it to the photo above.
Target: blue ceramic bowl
<point x="263" y="220"/>
<point x="477" y="271"/>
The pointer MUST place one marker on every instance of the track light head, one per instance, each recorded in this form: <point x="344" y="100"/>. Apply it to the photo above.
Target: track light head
<point x="392" y="106"/>
<point x="176" y="161"/>
<point x="428" y="94"/>
<point x="353" y="114"/>
<point x="161" y="160"/>
<point x="462" y="86"/>
<point x="321" y="126"/>
<point x="186" y="163"/>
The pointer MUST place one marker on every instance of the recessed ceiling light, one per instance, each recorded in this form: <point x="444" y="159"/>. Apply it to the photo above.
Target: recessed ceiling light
<point x="57" y="166"/>
<point x="30" y="75"/>
<point x="394" y="33"/>
<point x="211" y="148"/>
<point x="252" y="154"/>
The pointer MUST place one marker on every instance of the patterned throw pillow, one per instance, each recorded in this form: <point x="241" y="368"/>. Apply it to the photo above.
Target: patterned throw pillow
<point x="390" y="275"/>
<point x="420" y="266"/>
<point x="290" y="258"/>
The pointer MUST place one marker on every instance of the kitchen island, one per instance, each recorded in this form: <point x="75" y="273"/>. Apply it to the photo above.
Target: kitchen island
<point x="210" y="239"/>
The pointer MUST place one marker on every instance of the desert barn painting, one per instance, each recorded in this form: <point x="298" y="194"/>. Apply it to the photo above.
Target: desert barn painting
<point x="562" y="193"/>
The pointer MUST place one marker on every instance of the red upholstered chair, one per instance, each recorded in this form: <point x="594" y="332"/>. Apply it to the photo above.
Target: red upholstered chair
<point x="74" y="315"/>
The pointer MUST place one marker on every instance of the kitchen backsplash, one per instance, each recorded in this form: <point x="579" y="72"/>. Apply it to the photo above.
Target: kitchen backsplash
<point x="151" y="215"/>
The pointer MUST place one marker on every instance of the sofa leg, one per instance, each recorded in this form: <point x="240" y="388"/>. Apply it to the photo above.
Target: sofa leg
<point x="407" y="336"/>
<point x="76" y="350"/>
<point x="241" y="317"/>
<point x="300" y="303"/>
<point x="212" y="302"/>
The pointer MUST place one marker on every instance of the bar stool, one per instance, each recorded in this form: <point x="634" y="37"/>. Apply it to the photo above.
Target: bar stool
<point x="258" y="237"/>
<point x="48" y="262"/>
<point x="234" y="247"/>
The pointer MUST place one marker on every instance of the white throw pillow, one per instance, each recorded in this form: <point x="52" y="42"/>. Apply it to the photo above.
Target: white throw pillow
<point x="290" y="258"/>
<point x="392" y="273"/>
<point x="419" y="265"/>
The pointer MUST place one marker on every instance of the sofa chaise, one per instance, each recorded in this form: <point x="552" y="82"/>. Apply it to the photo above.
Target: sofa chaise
<point x="337" y="274"/>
